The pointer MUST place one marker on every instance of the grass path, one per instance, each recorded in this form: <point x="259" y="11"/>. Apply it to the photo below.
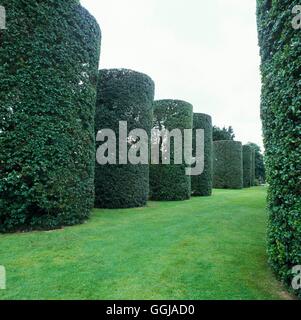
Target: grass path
<point x="204" y="248"/>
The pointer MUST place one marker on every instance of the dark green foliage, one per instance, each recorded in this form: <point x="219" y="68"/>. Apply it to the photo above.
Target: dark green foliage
<point x="227" y="165"/>
<point x="49" y="57"/>
<point x="281" y="115"/>
<point x="247" y="165"/>
<point x="223" y="134"/>
<point x="253" y="168"/>
<point x="202" y="185"/>
<point x="259" y="163"/>
<point x="123" y="95"/>
<point x="170" y="182"/>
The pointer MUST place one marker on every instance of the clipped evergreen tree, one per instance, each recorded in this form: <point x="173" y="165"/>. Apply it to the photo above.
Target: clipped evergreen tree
<point x="201" y="185"/>
<point x="280" y="50"/>
<point x="49" y="55"/>
<point x="123" y="95"/>
<point x="169" y="181"/>
<point x="227" y="165"/>
<point x="253" y="178"/>
<point x="247" y="166"/>
<point x="259" y="163"/>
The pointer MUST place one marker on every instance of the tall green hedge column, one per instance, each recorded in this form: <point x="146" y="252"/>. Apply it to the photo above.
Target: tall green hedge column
<point x="247" y="165"/>
<point x="202" y="185"/>
<point x="227" y="165"/>
<point x="169" y="181"/>
<point x="49" y="56"/>
<point x="123" y="95"/>
<point x="280" y="108"/>
<point x="253" y="168"/>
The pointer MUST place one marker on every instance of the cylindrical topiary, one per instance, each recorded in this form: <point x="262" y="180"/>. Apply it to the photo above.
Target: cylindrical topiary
<point x="280" y="51"/>
<point x="169" y="181"/>
<point x="201" y="185"/>
<point x="49" y="55"/>
<point x="127" y="96"/>
<point x="253" y="165"/>
<point x="247" y="165"/>
<point x="227" y="165"/>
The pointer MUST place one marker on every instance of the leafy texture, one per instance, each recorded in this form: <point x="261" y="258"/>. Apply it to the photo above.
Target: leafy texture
<point x="253" y="168"/>
<point x="49" y="57"/>
<point x="247" y="165"/>
<point x="123" y="95"/>
<point x="170" y="182"/>
<point x="259" y="164"/>
<point x="202" y="185"/>
<point x="227" y="165"/>
<point x="281" y="115"/>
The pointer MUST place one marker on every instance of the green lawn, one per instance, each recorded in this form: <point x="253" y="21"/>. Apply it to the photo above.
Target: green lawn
<point x="204" y="248"/>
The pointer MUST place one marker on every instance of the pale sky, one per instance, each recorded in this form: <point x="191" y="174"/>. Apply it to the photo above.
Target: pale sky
<point x="201" y="51"/>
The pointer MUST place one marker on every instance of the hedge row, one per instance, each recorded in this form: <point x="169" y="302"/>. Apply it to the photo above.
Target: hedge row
<point x="170" y="182"/>
<point x="227" y="165"/>
<point x="49" y="57"/>
<point x="280" y="109"/>
<point x="247" y="166"/>
<point x="123" y="95"/>
<point x="201" y="185"/>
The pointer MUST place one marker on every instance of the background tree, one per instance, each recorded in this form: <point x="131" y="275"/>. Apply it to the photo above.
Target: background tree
<point x="223" y="134"/>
